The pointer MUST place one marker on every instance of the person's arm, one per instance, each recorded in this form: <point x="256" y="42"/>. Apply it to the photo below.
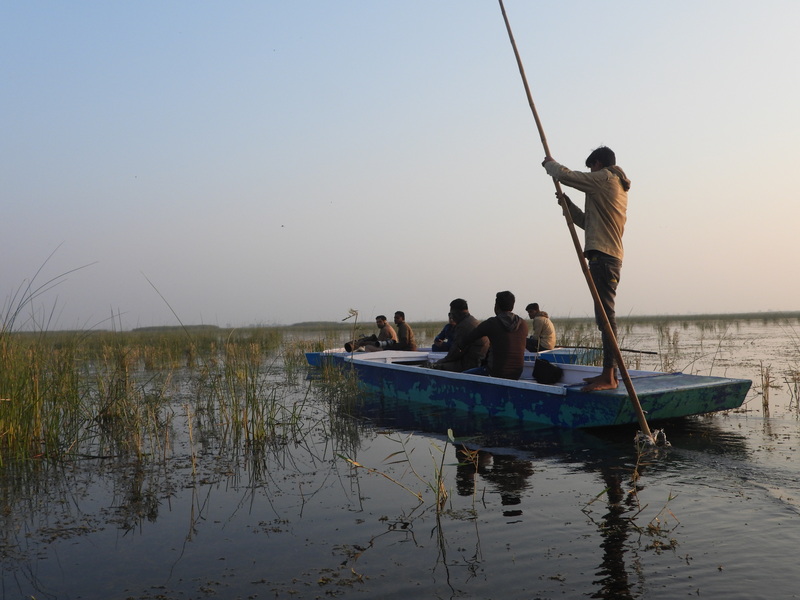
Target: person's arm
<point x="588" y="182"/>
<point x="402" y="335"/>
<point x="578" y="216"/>
<point x="482" y="330"/>
<point x="442" y="335"/>
<point x="538" y="326"/>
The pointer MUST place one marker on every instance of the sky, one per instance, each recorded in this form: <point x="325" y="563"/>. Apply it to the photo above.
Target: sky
<point x="264" y="163"/>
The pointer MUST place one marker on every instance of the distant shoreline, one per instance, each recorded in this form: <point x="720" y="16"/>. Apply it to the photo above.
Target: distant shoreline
<point x="752" y="316"/>
<point x="339" y="325"/>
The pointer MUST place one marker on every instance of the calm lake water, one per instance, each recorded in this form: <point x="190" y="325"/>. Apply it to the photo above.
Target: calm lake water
<point x="539" y="514"/>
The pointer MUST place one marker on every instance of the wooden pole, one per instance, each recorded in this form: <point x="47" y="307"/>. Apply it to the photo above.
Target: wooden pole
<point x="578" y="248"/>
<point x="621" y="349"/>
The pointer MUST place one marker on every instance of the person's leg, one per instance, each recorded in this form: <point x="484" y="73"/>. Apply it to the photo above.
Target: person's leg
<point x="477" y="371"/>
<point x="606" y="272"/>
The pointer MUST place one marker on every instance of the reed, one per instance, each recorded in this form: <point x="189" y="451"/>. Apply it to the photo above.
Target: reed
<point x="294" y="355"/>
<point x="108" y="393"/>
<point x="792" y="381"/>
<point x="338" y="387"/>
<point x="766" y="384"/>
<point x="42" y="398"/>
<point x="469" y="458"/>
<point x="436" y="484"/>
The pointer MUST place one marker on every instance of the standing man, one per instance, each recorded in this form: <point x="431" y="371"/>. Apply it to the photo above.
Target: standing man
<point x="603" y="222"/>
<point x="506" y="333"/>
<point x="543" y="335"/>
<point x="473" y="355"/>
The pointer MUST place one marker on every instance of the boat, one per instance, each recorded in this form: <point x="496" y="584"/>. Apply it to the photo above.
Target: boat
<point x="404" y="377"/>
<point x="318" y="359"/>
<point x="582" y="356"/>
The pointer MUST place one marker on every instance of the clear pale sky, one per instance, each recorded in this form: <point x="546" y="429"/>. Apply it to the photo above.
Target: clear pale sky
<point x="275" y="162"/>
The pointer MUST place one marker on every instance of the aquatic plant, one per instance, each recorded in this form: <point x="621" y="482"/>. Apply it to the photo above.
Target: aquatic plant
<point x="767" y="382"/>
<point x="357" y="465"/>
<point x="792" y="380"/>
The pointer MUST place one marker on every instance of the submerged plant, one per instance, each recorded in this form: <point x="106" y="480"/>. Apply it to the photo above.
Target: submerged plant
<point x="403" y="457"/>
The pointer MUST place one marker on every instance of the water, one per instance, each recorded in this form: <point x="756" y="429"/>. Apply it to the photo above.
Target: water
<point x="540" y="514"/>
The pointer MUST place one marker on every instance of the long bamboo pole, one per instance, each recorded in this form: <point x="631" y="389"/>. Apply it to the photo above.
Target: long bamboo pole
<point x="576" y="242"/>
<point x="621" y="349"/>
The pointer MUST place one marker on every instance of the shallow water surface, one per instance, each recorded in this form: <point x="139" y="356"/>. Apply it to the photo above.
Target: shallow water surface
<point x="534" y="514"/>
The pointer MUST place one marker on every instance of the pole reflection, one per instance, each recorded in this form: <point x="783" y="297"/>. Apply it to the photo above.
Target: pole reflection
<point x="609" y="454"/>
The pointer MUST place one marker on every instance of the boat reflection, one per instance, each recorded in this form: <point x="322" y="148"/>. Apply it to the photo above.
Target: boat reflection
<point x="502" y="457"/>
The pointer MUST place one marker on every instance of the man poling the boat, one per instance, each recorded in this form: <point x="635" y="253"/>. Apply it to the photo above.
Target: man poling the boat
<point x="603" y="221"/>
<point x="600" y="314"/>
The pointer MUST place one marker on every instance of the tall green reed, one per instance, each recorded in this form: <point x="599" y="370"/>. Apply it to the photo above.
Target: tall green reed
<point x="41" y="407"/>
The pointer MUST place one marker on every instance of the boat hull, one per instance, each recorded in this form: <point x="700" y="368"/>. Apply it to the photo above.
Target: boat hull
<point x="662" y="395"/>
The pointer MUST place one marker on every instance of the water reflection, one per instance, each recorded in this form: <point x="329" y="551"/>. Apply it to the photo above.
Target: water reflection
<point x="234" y="475"/>
<point x="507" y="475"/>
<point x="502" y="458"/>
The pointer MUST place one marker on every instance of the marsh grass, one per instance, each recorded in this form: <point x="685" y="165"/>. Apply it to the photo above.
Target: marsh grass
<point x="792" y="381"/>
<point x="72" y="393"/>
<point x="768" y="382"/>
<point x="68" y="394"/>
<point x="103" y="393"/>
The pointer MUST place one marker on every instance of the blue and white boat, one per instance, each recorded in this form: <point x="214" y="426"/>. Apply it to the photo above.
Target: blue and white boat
<point x="404" y="377"/>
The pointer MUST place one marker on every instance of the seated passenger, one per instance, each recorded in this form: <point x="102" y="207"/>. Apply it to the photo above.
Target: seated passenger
<point x="386" y="333"/>
<point x="405" y="335"/>
<point x="473" y="354"/>
<point x="506" y="332"/>
<point x="543" y="334"/>
<point x="444" y="339"/>
<point x="371" y="343"/>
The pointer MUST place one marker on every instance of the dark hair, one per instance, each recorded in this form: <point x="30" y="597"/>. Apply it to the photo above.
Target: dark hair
<point x="381" y="317"/>
<point x="532" y="306"/>
<point x="459" y="304"/>
<point x="605" y="155"/>
<point x="400" y="313"/>
<point x="505" y="300"/>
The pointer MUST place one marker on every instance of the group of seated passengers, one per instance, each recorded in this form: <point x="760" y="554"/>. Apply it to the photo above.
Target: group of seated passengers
<point x="467" y="341"/>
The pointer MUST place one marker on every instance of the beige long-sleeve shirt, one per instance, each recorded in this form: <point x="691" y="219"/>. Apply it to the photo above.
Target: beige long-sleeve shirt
<point x="605" y="212"/>
<point x="544" y="331"/>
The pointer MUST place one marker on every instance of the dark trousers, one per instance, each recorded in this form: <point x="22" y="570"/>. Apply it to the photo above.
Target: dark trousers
<point x="605" y="272"/>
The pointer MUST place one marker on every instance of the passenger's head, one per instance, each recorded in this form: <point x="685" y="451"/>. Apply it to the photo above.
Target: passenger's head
<point x="380" y="321"/>
<point x="399" y="316"/>
<point x="459" y="304"/>
<point x="605" y="156"/>
<point x="504" y="301"/>
<point x="532" y="306"/>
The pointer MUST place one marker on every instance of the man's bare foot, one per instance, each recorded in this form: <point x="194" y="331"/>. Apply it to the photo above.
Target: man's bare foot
<point x="607" y="380"/>
<point x="601" y="384"/>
